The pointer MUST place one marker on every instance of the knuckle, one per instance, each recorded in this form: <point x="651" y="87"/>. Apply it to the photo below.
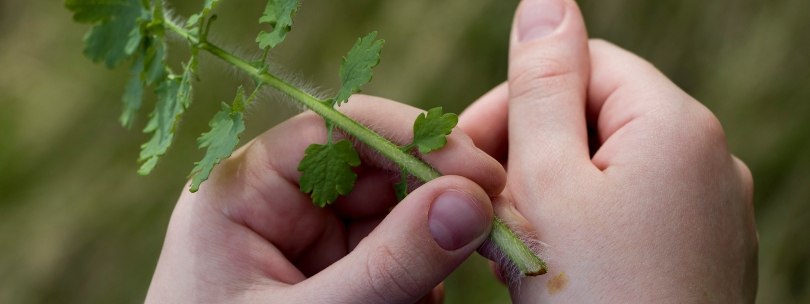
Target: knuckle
<point x="747" y="179"/>
<point x="389" y="275"/>
<point x="709" y="128"/>
<point x="539" y="77"/>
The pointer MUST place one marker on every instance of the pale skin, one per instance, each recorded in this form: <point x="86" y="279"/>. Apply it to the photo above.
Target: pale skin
<point x="662" y="212"/>
<point x="659" y="212"/>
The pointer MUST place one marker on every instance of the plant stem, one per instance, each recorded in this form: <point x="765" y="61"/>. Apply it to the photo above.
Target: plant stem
<point x="414" y="166"/>
<point x="513" y="247"/>
<point x="523" y="257"/>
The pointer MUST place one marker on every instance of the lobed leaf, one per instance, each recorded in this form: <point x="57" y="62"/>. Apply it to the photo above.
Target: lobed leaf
<point x="174" y="97"/>
<point x="279" y="14"/>
<point x="117" y="28"/>
<point x="328" y="171"/>
<point x="90" y="11"/>
<point x="133" y="94"/>
<point x="226" y="126"/>
<point x="355" y="70"/>
<point x="430" y="130"/>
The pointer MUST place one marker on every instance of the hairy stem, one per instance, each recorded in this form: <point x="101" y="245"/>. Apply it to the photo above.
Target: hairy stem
<point x="518" y="252"/>
<point x="414" y="166"/>
<point x="523" y="257"/>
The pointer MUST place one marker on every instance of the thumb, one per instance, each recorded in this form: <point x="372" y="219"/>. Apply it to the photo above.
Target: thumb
<point x="426" y="237"/>
<point x="549" y="69"/>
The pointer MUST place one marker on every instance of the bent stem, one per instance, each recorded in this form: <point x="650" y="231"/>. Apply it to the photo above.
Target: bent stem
<point x="512" y="246"/>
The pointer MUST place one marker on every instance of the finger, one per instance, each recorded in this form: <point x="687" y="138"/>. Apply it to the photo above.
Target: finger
<point x="486" y="122"/>
<point x="747" y="179"/>
<point x="638" y="111"/>
<point x="419" y="243"/>
<point x="373" y="195"/>
<point x="548" y="75"/>
<point x="360" y="229"/>
<point x="251" y="188"/>
<point x="435" y="296"/>
<point x="498" y="272"/>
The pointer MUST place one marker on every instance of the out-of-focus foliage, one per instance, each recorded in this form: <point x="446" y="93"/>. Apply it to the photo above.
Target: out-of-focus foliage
<point x="78" y="225"/>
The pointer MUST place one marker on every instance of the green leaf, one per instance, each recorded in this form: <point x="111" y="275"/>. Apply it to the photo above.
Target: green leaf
<point x="220" y="141"/>
<point x="148" y="68"/>
<point x="116" y="32"/>
<point x="156" y="25"/>
<point x="174" y="97"/>
<point x="430" y="130"/>
<point x="184" y="91"/>
<point x="356" y="68"/>
<point x="209" y="5"/>
<point x="279" y="14"/>
<point x="162" y="123"/>
<point x="90" y="11"/>
<point x="133" y="94"/>
<point x="155" y="69"/>
<point x="328" y="171"/>
<point x="401" y="188"/>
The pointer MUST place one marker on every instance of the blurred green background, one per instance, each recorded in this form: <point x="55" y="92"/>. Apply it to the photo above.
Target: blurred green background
<point x="78" y="225"/>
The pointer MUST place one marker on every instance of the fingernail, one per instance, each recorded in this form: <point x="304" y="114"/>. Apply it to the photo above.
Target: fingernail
<point x="455" y="220"/>
<point x="539" y="18"/>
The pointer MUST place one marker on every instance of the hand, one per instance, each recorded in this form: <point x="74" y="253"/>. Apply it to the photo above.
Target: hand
<point x="660" y="212"/>
<point x="250" y="235"/>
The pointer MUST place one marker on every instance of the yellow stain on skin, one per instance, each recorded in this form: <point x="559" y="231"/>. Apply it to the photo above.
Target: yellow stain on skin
<point x="558" y="283"/>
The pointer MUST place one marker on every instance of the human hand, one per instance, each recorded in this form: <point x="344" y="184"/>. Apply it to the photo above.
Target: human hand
<point x="250" y="234"/>
<point x="660" y="212"/>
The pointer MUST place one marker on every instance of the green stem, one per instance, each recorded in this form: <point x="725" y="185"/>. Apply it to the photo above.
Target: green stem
<point x="523" y="257"/>
<point x="414" y="165"/>
<point x="520" y="254"/>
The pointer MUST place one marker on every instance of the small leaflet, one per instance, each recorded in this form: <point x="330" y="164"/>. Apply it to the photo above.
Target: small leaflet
<point x="355" y="70"/>
<point x="133" y="94"/>
<point x="174" y="96"/>
<point x="328" y="171"/>
<point x="155" y="70"/>
<point x="209" y="5"/>
<point x="116" y="31"/>
<point x="430" y="130"/>
<point x="401" y="188"/>
<point x="279" y="15"/>
<point x="226" y="126"/>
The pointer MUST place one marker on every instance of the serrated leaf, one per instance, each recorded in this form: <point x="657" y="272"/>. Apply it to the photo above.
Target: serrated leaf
<point x="279" y="14"/>
<point x="116" y="33"/>
<point x="328" y="171"/>
<point x="162" y="123"/>
<point x="89" y="11"/>
<point x="355" y="70"/>
<point x="155" y="69"/>
<point x="133" y="94"/>
<point x="174" y="97"/>
<point x="209" y="5"/>
<point x="430" y="130"/>
<point x="226" y="126"/>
